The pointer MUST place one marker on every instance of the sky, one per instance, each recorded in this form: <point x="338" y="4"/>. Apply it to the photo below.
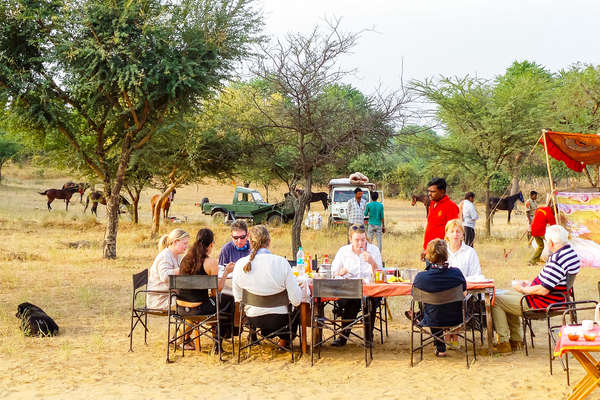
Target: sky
<point x="447" y="37"/>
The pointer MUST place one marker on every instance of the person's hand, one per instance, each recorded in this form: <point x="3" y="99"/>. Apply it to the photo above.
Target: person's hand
<point x="229" y="268"/>
<point x="382" y="230"/>
<point x="366" y="256"/>
<point x="518" y="285"/>
<point x="343" y="271"/>
<point x="423" y="255"/>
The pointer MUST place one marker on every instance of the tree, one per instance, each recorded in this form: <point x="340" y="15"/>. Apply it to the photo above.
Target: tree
<point x="100" y="79"/>
<point x="8" y="150"/>
<point x="320" y="121"/>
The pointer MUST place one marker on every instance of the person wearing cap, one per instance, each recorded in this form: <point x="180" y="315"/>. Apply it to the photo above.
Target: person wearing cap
<point x="441" y="210"/>
<point x="543" y="216"/>
<point x="356" y="260"/>
<point x="550" y="286"/>
<point x="356" y="208"/>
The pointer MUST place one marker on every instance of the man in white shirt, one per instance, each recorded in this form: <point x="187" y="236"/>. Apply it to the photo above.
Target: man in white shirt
<point x="469" y="216"/>
<point x="359" y="259"/>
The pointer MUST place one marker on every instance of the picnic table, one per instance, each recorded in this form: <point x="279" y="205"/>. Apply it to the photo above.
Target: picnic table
<point x="580" y="350"/>
<point x="404" y="289"/>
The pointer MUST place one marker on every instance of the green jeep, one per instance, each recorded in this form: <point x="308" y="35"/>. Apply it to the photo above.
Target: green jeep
<point x="249" y="204"/>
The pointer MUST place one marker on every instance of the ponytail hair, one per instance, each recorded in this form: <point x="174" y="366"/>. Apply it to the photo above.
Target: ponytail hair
<point x="195" y="256"/>
<point x="167" y="240"/>
<point x="259" y="238"/>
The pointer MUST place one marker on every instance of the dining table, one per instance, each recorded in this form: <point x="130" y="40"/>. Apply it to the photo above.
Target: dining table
<point x="581" y="349"/>
<point x="372" y="289"/>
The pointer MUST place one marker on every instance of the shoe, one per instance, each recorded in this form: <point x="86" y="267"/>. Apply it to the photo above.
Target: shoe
<point x="503" y="347"/>
<point x="216" y="347"/>
<point x="186" y="346"/>
<point x="408" y="315"/>
<point x="516" y="344"/>
<point x="339" y="342"/>
<point x="440" y="354"/>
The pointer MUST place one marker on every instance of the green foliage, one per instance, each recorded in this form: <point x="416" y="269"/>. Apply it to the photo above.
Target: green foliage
<point x="576" y="99"/>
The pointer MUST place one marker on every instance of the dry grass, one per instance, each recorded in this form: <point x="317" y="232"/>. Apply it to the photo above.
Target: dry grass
<point x="89" y="297"/>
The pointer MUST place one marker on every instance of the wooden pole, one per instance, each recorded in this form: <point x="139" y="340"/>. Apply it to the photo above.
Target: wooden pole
<point x="550" y="177"/>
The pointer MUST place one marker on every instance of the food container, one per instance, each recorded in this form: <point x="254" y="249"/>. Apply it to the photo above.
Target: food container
<point x="325" y="270"/>
<point x="589" y="336"/>
<point x="573" y="333"/>
<point x="587" y="324"/>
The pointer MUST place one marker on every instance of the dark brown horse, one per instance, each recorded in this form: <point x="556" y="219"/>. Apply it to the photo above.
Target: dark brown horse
<point x="164" y="205"/>
<point x="81" y="188"/>
<point x="65" y="194"/>
<point x="423" y="198"/>
<point x="98" y="197"/>
<point x="505" y="203"/>
<point x="314" y="197"/>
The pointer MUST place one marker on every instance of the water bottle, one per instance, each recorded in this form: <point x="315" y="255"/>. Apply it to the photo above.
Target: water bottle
<point x="300" y="261"/>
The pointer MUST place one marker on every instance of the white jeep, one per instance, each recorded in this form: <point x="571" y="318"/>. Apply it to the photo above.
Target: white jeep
<point x="340" y="191"/>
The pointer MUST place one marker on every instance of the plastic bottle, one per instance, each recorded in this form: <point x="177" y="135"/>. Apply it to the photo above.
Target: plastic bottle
<point x="325" y="259"/>
<point x="300" y="261"/>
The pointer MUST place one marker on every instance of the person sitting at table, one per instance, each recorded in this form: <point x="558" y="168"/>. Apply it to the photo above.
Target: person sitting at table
<point x="238" y="247"/>
<point x="547" y="288"/>
<point x="353" y="261"/>
<point x="197" y="261"/>
<point x="460" y="255"/>
<point x="263" y="273"/>
<point x="438" y="277"/>
<point x="171" y="248"/>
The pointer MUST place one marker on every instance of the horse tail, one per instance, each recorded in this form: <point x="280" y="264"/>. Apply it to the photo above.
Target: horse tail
<point x="44" y="192"/>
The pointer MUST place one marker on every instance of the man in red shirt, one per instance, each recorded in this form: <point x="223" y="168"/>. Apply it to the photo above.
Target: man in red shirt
<point x="441" y="210"/>
<point x="543" y="216"/>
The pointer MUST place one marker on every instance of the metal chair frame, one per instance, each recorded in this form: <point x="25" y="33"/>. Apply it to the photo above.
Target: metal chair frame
<point x="452" y="295"/>
<point x="139" y="315"/>
<point x="340" y="289"/>
<point x="201" y="325"/>
<point x="255" y="336"/>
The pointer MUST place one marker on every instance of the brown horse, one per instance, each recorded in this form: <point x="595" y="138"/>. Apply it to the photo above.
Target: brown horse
<point x="59" y="194"/>
<point x="165" y="205"/>
<point x="423" y="198"/>
<point x="81" y="188"/>
<point x="98" y="197"/>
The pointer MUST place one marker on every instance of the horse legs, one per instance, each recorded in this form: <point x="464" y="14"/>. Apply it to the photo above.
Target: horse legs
<point x="95" y="208"/>
<point x="67" y="206"/>
<point x="509" y="211"/>
<point x="49" y="208"/>
<point x="324" y="201"/>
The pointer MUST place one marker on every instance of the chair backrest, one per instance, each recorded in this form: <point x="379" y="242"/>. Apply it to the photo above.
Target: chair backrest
<point x="292" y="263"/>
<point x="445" y="296"/>
<point x="339" y="288"/>
<point x="192" y="282"/>
<point x="273" y="300"/>
<point x="140" y="279"/>
<point x="570" y="281"/>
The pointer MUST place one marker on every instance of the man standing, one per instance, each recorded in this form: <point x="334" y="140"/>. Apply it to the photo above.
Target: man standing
<point x="469" y="216"/>
<point x="441" y="210"/>
<point x="547" y="288"/>
<point x="531" y="205"/>
<point x="238" y="247"/>
<point x="543" y="216"/>
<point x="356" y="208"/>
<point x="374" y="211"/>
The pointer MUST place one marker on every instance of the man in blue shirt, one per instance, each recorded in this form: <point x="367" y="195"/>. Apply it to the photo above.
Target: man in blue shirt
<point x="374" y="211"/>
<point x="238" y="247"/>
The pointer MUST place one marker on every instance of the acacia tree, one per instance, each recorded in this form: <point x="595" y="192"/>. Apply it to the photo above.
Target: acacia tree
<point x="101" y="78"/>
<point x="319" y="121"/>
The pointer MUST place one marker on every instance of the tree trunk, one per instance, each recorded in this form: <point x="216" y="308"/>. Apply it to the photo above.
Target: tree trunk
<point x="1" y="163"/>
<point x="515" y="171"/>
<point x="299" y="207"/>
<point x="267" y="192"/>
<point x="588" y="176"/>
<point x="488" y="229"/>
<point x="135" y="200"/>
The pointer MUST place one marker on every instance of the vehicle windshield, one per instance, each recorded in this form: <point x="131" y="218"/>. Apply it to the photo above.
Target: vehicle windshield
<point x="258" y="198"/>
<point x="345" y="195"/>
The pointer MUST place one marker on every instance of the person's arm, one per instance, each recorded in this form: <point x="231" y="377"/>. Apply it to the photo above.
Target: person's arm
<point x="222" y="260"/>
<point x="235" y="287"/>
<point x="474" y="264"/>
<point x="527" y="290"/>
<point x="337" y="265"/>
<point x="166" y="268"/>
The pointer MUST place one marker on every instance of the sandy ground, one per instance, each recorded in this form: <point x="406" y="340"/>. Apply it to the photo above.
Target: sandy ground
<point x="90" y="299"/>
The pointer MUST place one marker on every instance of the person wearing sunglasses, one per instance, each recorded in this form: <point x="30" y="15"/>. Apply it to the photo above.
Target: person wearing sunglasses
<point x="355" y="260"/>
<point x="238" y="247"/>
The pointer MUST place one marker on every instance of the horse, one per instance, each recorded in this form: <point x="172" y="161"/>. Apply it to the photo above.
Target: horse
<point x="81" y="188"/>
<point x="423" y="198"/>
<point x="165" y="205"/>
<point x="98" y="197"/>
<point x="505" y="203"/>
<point x="314" y="197"/>
<point x="59" y="194"/>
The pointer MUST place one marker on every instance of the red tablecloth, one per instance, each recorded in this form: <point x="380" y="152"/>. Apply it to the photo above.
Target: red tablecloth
<point x="404" y="288"/>
<point x="564" y="344"/>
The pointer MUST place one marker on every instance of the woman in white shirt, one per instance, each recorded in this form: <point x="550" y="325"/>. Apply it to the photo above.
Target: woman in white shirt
<point x="171" y="248"/>
<point x="460" y="255"/>
<point x="264" y="274"/>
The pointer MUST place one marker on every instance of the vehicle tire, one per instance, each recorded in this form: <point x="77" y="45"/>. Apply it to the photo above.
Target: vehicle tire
<point x="275" y="220"/>
<point x="218" y="217"/>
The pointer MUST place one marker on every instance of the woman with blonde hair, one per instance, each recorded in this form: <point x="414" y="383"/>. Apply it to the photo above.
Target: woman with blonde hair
<point x="263" y="273"/>
<point x="460" y="255"/>
<point x="171" y="248"/>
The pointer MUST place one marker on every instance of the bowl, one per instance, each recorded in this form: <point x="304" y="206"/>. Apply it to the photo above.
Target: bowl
<point x="589" y="336"/>
<point x="573" y="335"/>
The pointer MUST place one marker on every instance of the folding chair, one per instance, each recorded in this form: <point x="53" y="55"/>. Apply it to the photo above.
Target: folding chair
<point x="137" y="313"/>
<point x="538" y="314"/>
<point x="340" y="289"/>
<point x="381" y="317"/>
<point x="255" y="335"/>
<point x="195" y="326"/>
<point x="452" y="295"/>
<point x="568" y="308"/>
